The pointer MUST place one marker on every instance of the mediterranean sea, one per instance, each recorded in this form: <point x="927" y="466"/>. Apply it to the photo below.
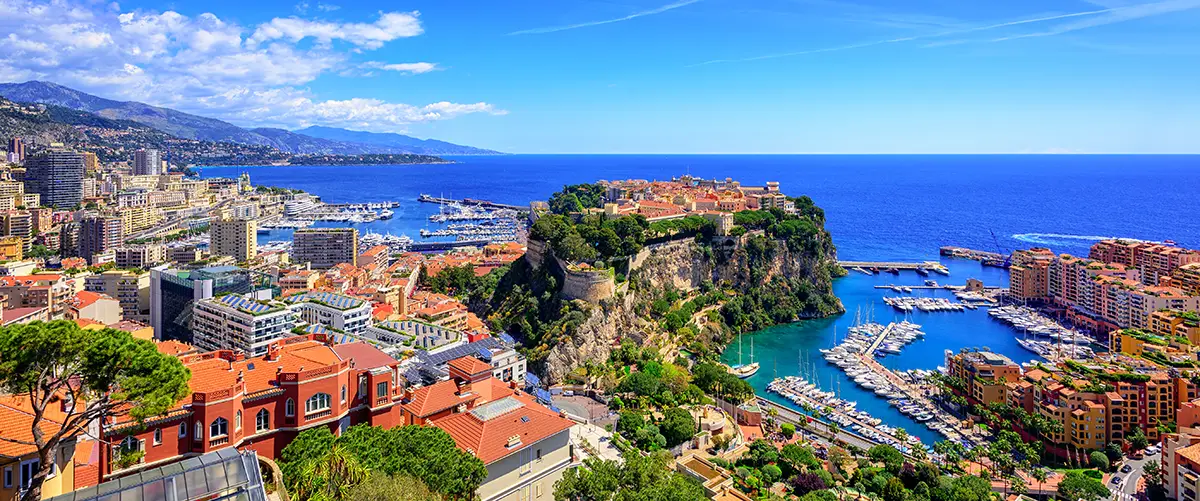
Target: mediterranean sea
<point x="878" y="207"/>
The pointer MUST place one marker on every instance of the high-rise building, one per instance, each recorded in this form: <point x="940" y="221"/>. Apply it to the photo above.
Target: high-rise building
<point x="147" y="163"/>
<point x="90" y="162"/>
<point x="69" y="239"/>
<point x="234" y="237"/>
<point x="98" y="234"/>
<point x="19" y="223"/>
<point x="325" y="248"/>
<point x="234" y="322"/>
<point x="16" y="150"/>
<point x="57" y="176"/>
<point x="173" y="294"/>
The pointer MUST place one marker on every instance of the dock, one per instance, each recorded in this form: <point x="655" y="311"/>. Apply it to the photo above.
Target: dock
<point x="880" y="338"/>
<point x="933" y="266"/>
<point x="935" y="287"/>
<point x="444" y="246"/>
<point x="471" y="202"/>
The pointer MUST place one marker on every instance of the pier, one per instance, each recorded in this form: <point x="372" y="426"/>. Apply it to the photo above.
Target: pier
<point x="444" y="246"/>
<point x="880" y="338"/>
<point x="884" y="265"/>
<point x="933" y="287"/>
<point x="469" y="202"/>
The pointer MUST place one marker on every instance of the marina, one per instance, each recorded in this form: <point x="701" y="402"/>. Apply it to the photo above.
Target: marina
<point x="894" y="267"/>
<point x="1050" y="340"/>
<point x="908" y="304"/>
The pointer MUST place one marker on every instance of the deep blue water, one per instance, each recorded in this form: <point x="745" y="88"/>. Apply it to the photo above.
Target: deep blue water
<point x="877" y="207"/>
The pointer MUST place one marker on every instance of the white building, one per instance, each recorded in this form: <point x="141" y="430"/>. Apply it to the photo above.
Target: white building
<point x="233" y="322"/>
<point x="344" y="313"/>
<point x="147" y="163"/>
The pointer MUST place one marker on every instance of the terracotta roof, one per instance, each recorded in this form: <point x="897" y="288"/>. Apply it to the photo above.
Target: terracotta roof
<point x="129" y="326"/>
<point x="437" y="397"/>
<point x="15" y="314"/>
<point x="172" y="347"/>
<point x="1191" y="452"/>
<point x="365" y="355"/>
<point x="502" y="427"/>
<point x="83" y="299"/>
<point x="217" y="374"/>
<point x="470" y="365"/>
<point x="16" y="422"/>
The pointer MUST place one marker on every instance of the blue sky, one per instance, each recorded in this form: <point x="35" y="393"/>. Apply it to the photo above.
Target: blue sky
<point x="649" y="76"/>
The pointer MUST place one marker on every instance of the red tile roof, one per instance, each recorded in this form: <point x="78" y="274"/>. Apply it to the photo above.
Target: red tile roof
<point x="83" y="299"/>
<point x="470" y="365"/>
<point x="365" y="355"/>
<point x="497" y="429"/>
<point x="437" y="397"/>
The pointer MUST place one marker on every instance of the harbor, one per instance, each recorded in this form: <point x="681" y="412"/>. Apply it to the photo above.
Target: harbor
<point x="895" y="267"/>
<point x="776" y="347"/>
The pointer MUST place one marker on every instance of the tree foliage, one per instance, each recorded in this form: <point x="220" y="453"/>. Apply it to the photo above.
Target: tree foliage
<point x="425" y="453"/>
<point x="1079" y="486"/>
<point x="103" y="373"/>
<point x="639" y="478"/>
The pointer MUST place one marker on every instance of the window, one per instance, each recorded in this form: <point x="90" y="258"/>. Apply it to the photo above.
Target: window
<point x="218" y="428"/>
<point x="317" y="403"/>
<point x="362" y="386"/>
<point x="289" y="408"/>
<point x="182" y="430"/>
<point x="237" y="421"/>
<point x="8" y="477"/>
<point x="28" y="470"/>
<point x="158" y="436"/>
<point x="539" y="454"/>
<point x="262" y="421"/>
<point x="381" y="389"/>
<point x="343" y="394"/>
<point x="199" y="431"/>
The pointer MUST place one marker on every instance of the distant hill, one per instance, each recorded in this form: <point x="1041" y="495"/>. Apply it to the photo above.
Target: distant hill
<point x="188" y="126"/>
<point x="396" y="141"/>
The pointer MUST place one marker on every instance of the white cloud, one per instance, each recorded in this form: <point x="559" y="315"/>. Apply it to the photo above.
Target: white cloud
<point x="409" y="68"/>
<point x="326" y="7"/>
<point x="210" y="66"/>
<point x="389" y="27"/>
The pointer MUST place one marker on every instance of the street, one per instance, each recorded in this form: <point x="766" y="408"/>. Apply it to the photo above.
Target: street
<point x="1127" y="489"/>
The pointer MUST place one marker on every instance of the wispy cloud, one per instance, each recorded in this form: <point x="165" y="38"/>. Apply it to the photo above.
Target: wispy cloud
<point x="407" y="68"/>
<point x="1093" y="18"/>
<point x="635" y="15"/>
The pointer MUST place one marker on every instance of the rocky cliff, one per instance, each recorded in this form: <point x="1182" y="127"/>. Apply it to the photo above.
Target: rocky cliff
<point x="748" y="265"/>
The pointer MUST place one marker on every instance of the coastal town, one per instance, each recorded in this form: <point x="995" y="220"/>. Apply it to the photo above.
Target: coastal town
<point x="522" y="352"/>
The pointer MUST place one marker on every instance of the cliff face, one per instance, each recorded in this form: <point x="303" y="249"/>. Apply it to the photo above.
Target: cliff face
<point x="737" y="264"/>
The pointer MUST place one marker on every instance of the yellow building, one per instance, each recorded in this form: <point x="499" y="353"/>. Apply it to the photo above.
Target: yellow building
<point x="19" y="463"/>
<point x="90" y="161"/>
<point x="12" y="248"/>
<point x="135" y="219"/>
<point x="1177" y="323"/>
<point x="985" y="374"/>
<point x="234" y="237"/>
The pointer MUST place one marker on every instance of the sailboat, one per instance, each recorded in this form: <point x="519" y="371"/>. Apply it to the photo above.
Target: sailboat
<point x="745" y="371"/>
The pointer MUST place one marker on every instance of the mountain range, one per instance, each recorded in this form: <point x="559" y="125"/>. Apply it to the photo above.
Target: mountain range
<point x="312" y="140"/>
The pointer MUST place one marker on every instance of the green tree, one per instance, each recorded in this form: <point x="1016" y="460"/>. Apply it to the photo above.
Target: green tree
<point x="894" y="490"/>
<point x="639" y="478"/>
<point x="102" y="373"/>
<point x="677" y="426"/>
<point x="1099" y="460"/>
<point x="1078" y="486"/>
<point x="1137" y="439"/>
<point x="1114" y="452"/>
<point x="788" y="430"/>
<point x="380" y="487"/>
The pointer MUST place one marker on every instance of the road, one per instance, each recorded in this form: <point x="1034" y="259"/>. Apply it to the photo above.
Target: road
<point x="787" y="415"/>
<point x="1127" y="489"/>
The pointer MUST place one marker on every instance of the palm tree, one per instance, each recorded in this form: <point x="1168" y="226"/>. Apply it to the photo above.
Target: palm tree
<point x="332" y="475"/>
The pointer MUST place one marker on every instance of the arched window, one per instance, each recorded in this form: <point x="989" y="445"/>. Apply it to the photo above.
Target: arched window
<point x="199" y="431"/>
<point x="218" y="428"/>
<point x="157" y="436"/>
<point x="316" y="403"/>
<point x="237" y="421"/>
<point x="131" y="444"/>
<point x="343" y="394"/>
<point x="289" y="408"/>
<point x="262" y="421"/>
<point x="182" y="430"/>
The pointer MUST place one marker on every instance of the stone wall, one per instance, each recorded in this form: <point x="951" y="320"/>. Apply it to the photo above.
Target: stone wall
<point x="592" y="286"/>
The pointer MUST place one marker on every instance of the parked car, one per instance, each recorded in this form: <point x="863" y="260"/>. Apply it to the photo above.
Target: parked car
<point x="1126" y="469"/>
<point x="1115" y="480"/>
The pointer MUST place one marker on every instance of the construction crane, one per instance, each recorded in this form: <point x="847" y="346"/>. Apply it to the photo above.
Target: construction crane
<point x="1005" y="259"/>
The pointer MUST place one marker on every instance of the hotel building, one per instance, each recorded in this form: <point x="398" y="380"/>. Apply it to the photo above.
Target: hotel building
<point x="324" y="248"/>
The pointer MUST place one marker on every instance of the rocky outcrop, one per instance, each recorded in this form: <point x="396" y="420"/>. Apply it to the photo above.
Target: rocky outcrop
<point x="684" y="265"/>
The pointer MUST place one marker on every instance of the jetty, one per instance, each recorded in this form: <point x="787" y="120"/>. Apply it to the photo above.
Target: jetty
<point x="444" y="246"/>
<point x="430" y="199"/>
<point x="896" y="265"/>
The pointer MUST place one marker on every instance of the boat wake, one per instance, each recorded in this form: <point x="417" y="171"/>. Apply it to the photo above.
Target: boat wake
<point x="1063" y="239"/>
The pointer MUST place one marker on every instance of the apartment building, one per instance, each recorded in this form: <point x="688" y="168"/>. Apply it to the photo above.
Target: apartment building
<point x="344" y="313"/>
<point x="57" y="176"/>
<point x="1167" y="323"/>
<point x="12" y="248"/>
<point x="140" y="256"/>
<point x="130" y="289"/>
<point x="135" y="219"/>
<point x="986" y="375"/>
<point x="234" y="237"/>
<point x="324" y="248"/>
<point x="234" y="322"/>
<point x="19" y="223"/>
<point x="37" y="291"/>
<point x="1153" y="261"/>
<point x="98" y="234"/>
<point x="20" y="462"/>
<point x="173" y="294"/>
<point x="1029" y="275"/>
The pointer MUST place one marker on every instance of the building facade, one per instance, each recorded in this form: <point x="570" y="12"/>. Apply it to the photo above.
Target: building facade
<point x="234" y="322"/>
<point x="147" y="163"/>
<point x="324" y="248"/>
<point x="57" y="176"/>
<point x="234" y="237"/>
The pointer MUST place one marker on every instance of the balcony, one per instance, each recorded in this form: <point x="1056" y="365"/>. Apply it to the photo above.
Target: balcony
<point x="318" y="415"/>
<point x="219" y="441"/>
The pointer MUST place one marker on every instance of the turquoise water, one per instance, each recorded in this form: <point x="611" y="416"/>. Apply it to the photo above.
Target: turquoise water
<point x="782" y="349"/>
